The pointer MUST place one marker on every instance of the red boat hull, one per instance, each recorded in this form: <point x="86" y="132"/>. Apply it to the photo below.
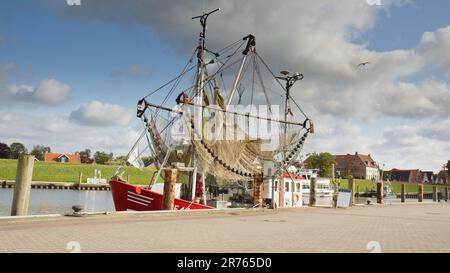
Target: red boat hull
<point x="132" y="197"/>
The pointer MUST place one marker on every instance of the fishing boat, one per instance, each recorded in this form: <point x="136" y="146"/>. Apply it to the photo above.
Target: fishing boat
<point x="218" y="117"/>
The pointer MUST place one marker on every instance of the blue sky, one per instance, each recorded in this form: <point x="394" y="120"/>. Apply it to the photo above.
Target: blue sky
<point x="116" y="52"/>
<point x="401" y="27"/>
<point x="44" y="44"/>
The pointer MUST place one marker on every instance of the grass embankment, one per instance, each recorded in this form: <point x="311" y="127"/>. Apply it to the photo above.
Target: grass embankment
<point x="366" y="185"/>
<point x="64" y="172"/>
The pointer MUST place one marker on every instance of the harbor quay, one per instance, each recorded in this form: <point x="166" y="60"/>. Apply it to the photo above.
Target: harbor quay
<point x="399" y="228"/>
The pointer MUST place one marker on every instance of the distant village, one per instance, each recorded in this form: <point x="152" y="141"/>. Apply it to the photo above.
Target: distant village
<point x="361" y="166"/>
<point x="357" y="165"/>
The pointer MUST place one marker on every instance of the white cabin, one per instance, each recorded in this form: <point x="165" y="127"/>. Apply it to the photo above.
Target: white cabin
<point x="295" y="188"/>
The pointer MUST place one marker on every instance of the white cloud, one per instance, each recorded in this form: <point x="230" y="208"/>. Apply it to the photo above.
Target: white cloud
<point x="421" y="145"/>
<point x="62" y="135"/>
<point x="51" y="92"/>
<point x="47" y="92"/>
<point x="101" y="114"/>
<point x="434" y="47"/>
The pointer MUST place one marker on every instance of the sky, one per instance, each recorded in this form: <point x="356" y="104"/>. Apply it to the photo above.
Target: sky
<point x="70" y="75"/>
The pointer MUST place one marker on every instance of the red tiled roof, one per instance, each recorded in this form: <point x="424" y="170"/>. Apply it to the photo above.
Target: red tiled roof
<point x="367" y="159"/>
<point x="53" y="157"/>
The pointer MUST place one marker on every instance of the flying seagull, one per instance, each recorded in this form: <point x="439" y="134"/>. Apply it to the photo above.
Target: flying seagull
<point x="363" y="64"/>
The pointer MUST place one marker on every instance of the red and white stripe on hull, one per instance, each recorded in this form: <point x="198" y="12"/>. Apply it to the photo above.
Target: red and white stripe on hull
<point x="132" y="197"/>
<point x="139" y="199"/>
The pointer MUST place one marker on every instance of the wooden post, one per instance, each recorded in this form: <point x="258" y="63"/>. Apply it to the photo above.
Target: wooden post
<point x="194" y="184"/>
<point x="420" y="193"/>
<point x="80" y="180"/>
<point x="335" y="188"/>
<point x="169" y="189"/>
<point x="204" y="188"/>
<point x="22" y="189"/>
<point x="274" y="185"/>
<point x="435" y="194"/>
<point x="446" y="197"/>
<point x="351" y="187"/>
<point x="380" y="192"/>
<point x="258" y="190"/>
<point x="312" y="192"/>
<point x="403" y="192"/>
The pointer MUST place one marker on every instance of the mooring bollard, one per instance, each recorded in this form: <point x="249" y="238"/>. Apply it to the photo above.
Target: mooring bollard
<point x="403" y="192"/>
<point x="351" y="187"/>
<point x="380" y="192"/>
<point x="22" y="189"/>
<point x="435" y="194"/>
<point x="169" y="189"/>
<point x="258" y="190"/>
<point x="312" y="192"/>
<point x="420" y="193"/>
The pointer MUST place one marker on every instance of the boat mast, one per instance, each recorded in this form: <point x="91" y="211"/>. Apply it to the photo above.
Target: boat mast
<point x="290" y="81"/>
<point x="200" y="89"/>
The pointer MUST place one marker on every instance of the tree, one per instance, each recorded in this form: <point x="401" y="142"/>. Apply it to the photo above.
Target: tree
<point x="121" y="159"/>
<point x="448" y="168"/>
<point x="5" y="151"/>
<point x="102" y="157"/>
<point x="39" y="151"/>
<point x="323" y="162"/>
<point x="17" y="149"/>
<point x="85" y="156"/>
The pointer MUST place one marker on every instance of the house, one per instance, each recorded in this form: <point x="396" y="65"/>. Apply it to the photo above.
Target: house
<point x="342" y="164"/>
<point x="442" y="176"/>
<point x="410" y="176"/>
<point x="427" y="177"/>
<point x="62" y="158"/>
<point x="359" y="166"/>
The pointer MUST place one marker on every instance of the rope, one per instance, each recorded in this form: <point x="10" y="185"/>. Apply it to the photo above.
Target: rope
<point x="279" y="82"/>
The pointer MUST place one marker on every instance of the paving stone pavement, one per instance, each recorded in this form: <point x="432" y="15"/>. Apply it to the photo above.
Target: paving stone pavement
<point x="388" y="228"/>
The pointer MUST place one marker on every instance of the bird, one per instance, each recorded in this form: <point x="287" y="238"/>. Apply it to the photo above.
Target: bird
<point x="363" y="64"/>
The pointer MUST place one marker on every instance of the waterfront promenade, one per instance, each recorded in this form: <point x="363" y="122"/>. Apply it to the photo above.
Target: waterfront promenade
<point x="386" y="228"/>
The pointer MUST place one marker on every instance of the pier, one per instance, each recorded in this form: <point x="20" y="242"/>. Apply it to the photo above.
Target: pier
<point x="391" y="228"/>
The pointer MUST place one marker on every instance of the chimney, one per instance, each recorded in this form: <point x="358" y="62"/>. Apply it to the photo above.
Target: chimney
<point x="356" y="153"/>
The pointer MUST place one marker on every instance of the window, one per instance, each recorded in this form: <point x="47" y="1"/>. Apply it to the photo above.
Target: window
<point x="297" y="188"/>
<point x="286" y="187"/>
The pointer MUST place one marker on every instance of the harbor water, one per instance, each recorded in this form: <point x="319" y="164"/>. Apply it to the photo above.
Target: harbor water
<point x="58" y="201"/>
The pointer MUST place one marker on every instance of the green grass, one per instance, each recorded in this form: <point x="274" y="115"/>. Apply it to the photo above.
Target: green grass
<point x="64" y="172"/>
<point x="366" y="185"/>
